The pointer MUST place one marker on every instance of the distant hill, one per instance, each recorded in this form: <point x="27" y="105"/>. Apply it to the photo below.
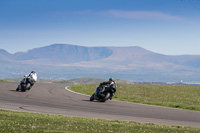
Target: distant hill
<point x="5" y="56"/>
<point x="72" y="61"/>
<point x="58" y="54"/>
<point x="124" y="58"/>
<point x="80" y="81"/>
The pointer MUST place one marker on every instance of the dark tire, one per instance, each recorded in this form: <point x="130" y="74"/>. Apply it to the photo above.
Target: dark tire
<point x="23" y="90"/>
<point x="105" y="98"/>
<point x="19" y="88"/>
<point x="28" y="86"/>
<point x="92" y="98"/>
<point x="23" y="87"/>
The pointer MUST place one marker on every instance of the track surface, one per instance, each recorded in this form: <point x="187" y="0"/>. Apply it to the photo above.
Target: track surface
<point x="55" y="99"/>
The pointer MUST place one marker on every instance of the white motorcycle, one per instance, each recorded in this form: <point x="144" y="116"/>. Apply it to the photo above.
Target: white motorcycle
<point x="27" y="82"/>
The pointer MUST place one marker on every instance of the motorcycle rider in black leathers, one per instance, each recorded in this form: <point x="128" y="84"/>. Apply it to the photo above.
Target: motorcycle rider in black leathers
<point x="111" y="84"/>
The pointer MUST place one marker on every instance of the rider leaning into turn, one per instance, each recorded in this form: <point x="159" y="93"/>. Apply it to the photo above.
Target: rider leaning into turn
<point x="111" y="85"/>
<point x="30" y="75"/>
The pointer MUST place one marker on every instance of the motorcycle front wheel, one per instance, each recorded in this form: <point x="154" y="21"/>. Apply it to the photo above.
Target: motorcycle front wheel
<point x="17" y="88"/>
<point x="92" y="98"/>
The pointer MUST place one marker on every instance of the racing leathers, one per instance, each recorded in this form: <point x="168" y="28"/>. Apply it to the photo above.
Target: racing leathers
<point x="31" y="77"/>
<point x="109" y="85"/>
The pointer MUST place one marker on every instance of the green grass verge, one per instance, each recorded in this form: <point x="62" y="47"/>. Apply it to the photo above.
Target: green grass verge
<point x="19" y="122"/>
<point x="175" y="96"/>
<point x="2" y="80"/>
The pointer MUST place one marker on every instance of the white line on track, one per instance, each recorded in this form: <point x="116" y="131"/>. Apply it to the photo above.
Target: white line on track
<point x="66" y="88"/>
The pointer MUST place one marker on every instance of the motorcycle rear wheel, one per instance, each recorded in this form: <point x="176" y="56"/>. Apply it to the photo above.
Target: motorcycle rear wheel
<point x="105" y="98"/>
<point x="25" y="87"/>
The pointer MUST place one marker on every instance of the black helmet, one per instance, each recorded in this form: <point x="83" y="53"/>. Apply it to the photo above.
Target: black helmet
<point x="111" y="79"/>
<point x="33" y="72"/>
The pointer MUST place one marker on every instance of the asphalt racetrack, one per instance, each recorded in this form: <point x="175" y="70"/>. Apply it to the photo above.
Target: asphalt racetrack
<point x="55" y="99"/>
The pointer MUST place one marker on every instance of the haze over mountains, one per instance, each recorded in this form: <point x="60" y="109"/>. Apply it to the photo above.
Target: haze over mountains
<point x="72" y="61"/>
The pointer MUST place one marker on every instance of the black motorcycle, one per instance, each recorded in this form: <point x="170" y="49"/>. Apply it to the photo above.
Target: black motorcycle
<point x="26" y="84"/>
<point x="102" y="94"/>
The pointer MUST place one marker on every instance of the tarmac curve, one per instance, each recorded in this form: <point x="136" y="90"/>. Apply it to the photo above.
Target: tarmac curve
<point x="55" y="99"/>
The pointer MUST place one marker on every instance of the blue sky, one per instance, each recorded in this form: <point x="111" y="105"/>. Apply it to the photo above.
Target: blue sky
<point x="169" y="27"/>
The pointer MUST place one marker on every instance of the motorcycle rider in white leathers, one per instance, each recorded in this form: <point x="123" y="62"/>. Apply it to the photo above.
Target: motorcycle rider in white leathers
<point x="31" y="77"/>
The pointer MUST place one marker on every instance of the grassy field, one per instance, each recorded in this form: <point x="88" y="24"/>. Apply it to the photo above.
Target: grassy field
<point x="176" y="96"/>
<point x="3" y="80"/>
<point x="19" y="122"/>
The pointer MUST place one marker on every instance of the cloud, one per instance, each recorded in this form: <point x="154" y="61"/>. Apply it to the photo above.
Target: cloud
<point x="134" y="14"/>
<point x="142" y="15"/>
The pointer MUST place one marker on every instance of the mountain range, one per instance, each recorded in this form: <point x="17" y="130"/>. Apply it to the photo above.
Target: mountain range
<point x="72" y="61"/>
